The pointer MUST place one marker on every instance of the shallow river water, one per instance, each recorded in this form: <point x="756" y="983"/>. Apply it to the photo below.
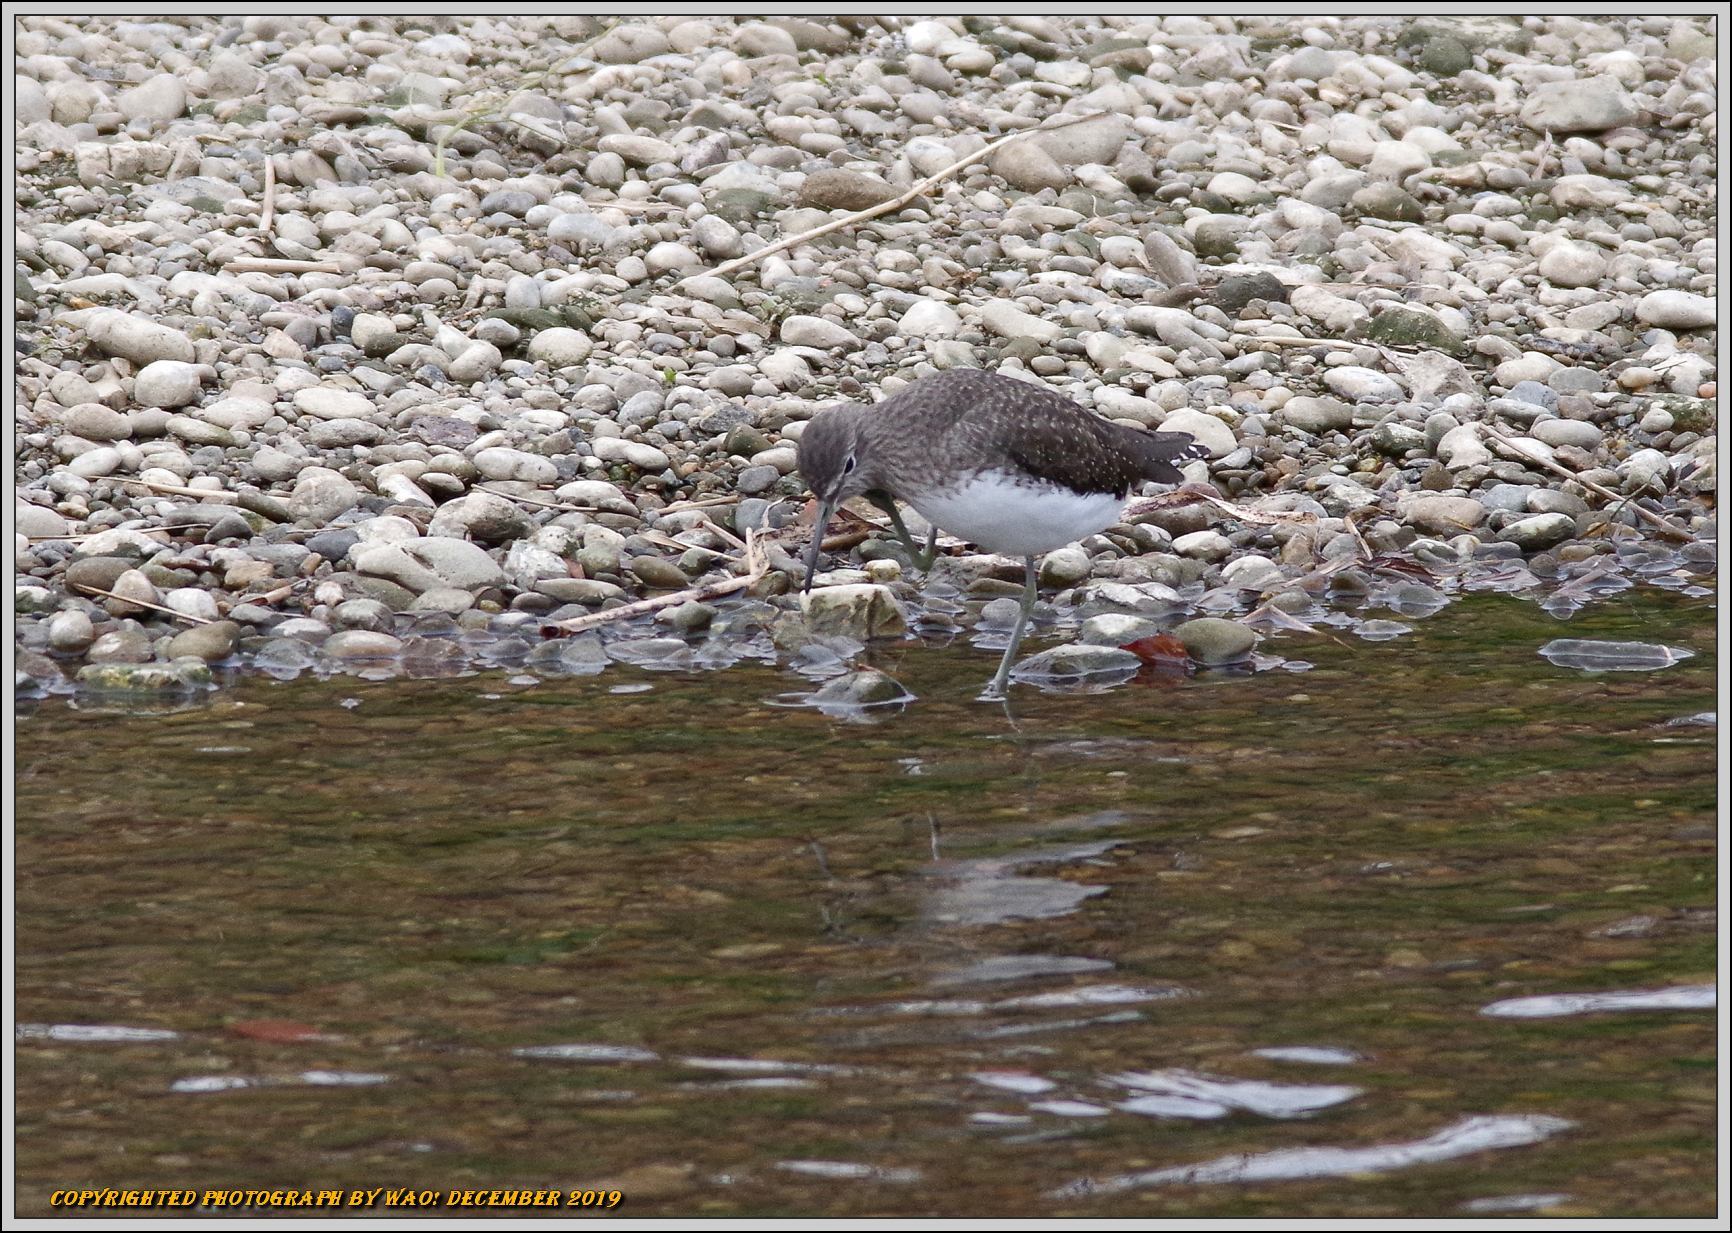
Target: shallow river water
<point x="1238" y="945"/>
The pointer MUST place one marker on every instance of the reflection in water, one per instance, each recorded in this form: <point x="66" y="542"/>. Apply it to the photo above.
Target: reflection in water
<point x="1689" y="997"/>
<point x="733" y="959"/>
<point x="1464" y="1138"/>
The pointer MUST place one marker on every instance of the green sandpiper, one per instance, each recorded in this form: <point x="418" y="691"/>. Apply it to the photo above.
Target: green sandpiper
<point x="1009" y="465"/>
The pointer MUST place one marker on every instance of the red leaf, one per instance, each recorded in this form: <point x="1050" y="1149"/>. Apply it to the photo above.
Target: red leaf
<point x="276" y="1031"/>
<point x="1161" y="650"/>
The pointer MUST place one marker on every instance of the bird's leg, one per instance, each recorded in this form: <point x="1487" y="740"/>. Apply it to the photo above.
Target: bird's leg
<point x="1002" y="681"/>
<point x="921" y="561"/>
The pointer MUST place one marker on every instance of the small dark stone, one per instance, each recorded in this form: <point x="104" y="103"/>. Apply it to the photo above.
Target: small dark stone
<point x="1232" y="293"/>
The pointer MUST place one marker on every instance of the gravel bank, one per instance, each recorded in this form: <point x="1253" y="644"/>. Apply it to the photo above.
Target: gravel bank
<point x="1444" y="286"/>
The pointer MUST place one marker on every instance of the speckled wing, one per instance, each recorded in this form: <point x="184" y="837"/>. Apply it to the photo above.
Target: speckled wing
<point x="967" y="419"/>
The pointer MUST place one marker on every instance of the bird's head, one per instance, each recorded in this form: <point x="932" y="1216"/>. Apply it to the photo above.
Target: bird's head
<point x="831" y="461"/>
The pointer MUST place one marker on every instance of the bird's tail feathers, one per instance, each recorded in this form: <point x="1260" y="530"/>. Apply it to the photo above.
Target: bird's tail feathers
<point x="1162" y="453"/>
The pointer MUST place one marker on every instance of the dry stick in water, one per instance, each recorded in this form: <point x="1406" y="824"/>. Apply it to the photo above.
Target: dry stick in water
<point x="895" y="203"/>
<point x="141" y="603"/>
<point x="1659" y="523"/>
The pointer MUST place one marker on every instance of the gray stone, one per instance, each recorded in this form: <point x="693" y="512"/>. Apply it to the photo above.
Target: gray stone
<point x="70" y="632"/>
<point x="341" y="434"/>
<point x="98" y="572"/>
<point x="1063" y="567"/>
<point x="1025" y="165"/>
<point x="1572" y="265"/>
<point x="320" y="495"/>
<point x="363" y="644"/>
<point x="630" y="44"/>
<point x="1539" y="532"/>
<point x="209" y="643"/>
<point x="1214" y="434"/>
<point x="1561" y="432"/>
<point x="832" y="188"/>
<point x="156" y="101"/>
<point x="1078" y="661"/>
<point x="36" y="521"/>
<point x="485" y="517"/>
<point x="1676" y="310"/>
<point x="1444" y="515"/>
<point x="136" y="338"/>
<point x="561" y="347"/>
<point x="639" y="454"/>
<point x="1585" y="105"/>
<point x="1252" y="573"/>
<point x="865" y="687"/>
<point x="1317" y="415"/>
<point x="421" y="565"/>
<point x="1461" y="447"/>
<point x="328" y="403"/>
<point x="1005" y="319"/>
<point x="166" y="383"/>
<point x="857" y="610"/>
<point x="1118" y="628"/>
<point x="808" y="331"/>
<point x="502" y="463"/>
<point x="95" y="422"/>
<point x="1212" y="640"/>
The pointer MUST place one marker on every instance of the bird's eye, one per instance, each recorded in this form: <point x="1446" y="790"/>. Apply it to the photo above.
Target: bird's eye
<point x="849" y="465"/>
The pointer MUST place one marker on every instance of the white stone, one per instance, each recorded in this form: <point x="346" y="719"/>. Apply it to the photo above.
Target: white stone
<point x="808" y="331"/>
<point x="560" y="347"/>
<point x="326" y="403"/>
<point x="1214" y="434"/>
<point x="166" y="383"/>
<point x="1005" y="319"/>
<point x="1676" y="310"/>
<point x="930" y="319"/>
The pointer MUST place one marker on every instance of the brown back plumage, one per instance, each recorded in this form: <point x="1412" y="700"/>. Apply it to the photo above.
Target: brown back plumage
<point x="968" y="420"/>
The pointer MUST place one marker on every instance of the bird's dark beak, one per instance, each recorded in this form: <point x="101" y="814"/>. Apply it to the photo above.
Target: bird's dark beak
<point x="826" y="511"/>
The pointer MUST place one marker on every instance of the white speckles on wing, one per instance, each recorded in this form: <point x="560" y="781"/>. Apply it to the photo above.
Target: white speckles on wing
<point x="1000" y="514"/>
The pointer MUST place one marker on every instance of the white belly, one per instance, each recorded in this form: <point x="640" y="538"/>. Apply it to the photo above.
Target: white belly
<point x="1021" y="520"/>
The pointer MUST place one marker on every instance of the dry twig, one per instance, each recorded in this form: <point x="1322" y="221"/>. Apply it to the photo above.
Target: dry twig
<point x="756" y="568"/>
<point x="895" y="203"/>
<point x="214" y="495"/>
<point x="142" y="603"/>
<point x="268" y="209"/>
<point x="517" y="496"/>
<point x="1648" y="515"/>
<point x="280" y="265"/>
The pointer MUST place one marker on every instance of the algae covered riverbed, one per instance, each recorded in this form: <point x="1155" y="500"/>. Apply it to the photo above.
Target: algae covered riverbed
<point x="1113" y="953"/>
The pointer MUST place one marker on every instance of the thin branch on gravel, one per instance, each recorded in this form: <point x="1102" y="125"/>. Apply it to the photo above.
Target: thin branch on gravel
<point x="1181" y="497"/>
<point x="84" y="535"/>
<point x="280" y="265"/>
<point x="1648" y="515"/>
<point x="268" y="207"/>
<point x="141" y="603"/>
<point x="518" y="496"/>
<point x="756" y="568"/>
<point x="895" y="203"/>
<point x="213" y="495"/>
<point x="702" y="503"/>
